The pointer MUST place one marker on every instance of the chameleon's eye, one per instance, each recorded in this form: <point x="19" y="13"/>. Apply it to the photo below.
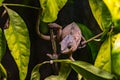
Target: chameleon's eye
<point x="69" y="46"/>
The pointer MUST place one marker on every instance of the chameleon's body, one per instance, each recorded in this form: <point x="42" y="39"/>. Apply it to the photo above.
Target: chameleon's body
<point x="71" y="37"/>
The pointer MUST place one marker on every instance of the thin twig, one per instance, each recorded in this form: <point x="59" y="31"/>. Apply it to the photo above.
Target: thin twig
<point x="20" y="5"/>
<point x="91" y="39"/>
<point x="111" y="29"/>
<point x="4" y="12"/>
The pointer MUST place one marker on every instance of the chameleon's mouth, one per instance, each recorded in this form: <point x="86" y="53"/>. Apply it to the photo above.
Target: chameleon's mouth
<point x="66" y="44"/>
<point x="65" y="51"/>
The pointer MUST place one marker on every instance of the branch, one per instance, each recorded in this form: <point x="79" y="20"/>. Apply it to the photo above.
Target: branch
<point x="38" y="31"/>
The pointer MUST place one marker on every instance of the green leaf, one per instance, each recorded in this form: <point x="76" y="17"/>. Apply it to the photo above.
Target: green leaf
<point x="90" y="72"/>
<point x="35" y="75"/>
<point x="53" y="77"/>
<point x="63" y="73"/>
<point x="93" y="44"/>
<point x="17" y="37"/>
<point x="1" y="2"/>
<point x="101" y="14"/>
<point x="79" y="77"/>
<point x="44" y="27"/>
<point x="114" y="8"/>
<point x="50" y="9"/>
<point x="116" y="54"/>
<point x="87" y="70"/>
<point x="103" y="59"/>
<point x="2" y="44"/>
<point x="3" y="72"/>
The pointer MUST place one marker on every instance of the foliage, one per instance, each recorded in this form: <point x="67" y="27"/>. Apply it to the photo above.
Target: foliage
<point x="114" y="7"/>
<point x="3" y="72"/>
<point x="103" y="59"/>
<point x="116" y="54"/>
<point x="2" y="44"/>
<point x="51" y="8"/>
<point x="93" y="45"/>
<point x="1" y="2"/>
<point x="108" y="56"/>
<point x="106" y="59"/>
<point x="17" y="37"/>
<point x="2" y="52"/>
<point x="101" y="13"/>
<point x="87" y="70"/>
<point x="63" y="73"/>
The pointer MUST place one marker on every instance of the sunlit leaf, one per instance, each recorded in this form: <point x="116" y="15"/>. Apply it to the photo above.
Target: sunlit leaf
<point x="114" y="8"/>
<point x="116" y="54"/>
<point x="35" y="73"/>
<point x="52" y="77"/>
<point x="93" y="44"/>
<point x="17" y="37"/>
<point x="90" y="72"/>
<point x="1" y="2"/>
<point x="79" y="77"/>
<point x="50" y="9"/>
<point x="3" y="72"/>
<point x="103" y="59"/>
<point x="2" y="44"/>
<point x="101" y="13"/>
<point x="64" y="71"/>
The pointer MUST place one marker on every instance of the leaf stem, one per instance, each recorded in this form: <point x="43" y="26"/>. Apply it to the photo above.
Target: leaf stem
<point x="92" y="38"/>
<point x="21" y="5"/>
<point x="38" y="30"/>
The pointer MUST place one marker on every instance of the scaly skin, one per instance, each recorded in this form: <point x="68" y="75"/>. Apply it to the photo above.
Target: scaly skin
<point x="71" y="37"/>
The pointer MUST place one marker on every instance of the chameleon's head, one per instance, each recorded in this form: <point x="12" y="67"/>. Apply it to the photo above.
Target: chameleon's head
<point x="68" y="44"/>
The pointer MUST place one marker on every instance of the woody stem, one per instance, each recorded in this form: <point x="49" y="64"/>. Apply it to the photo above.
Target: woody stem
<point x="53" y="42"/>
<point x="54" y="55"/>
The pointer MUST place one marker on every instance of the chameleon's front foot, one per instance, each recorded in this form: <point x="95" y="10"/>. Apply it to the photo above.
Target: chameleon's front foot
<point x="71" y="58"/>
<point x="52" y="56"/>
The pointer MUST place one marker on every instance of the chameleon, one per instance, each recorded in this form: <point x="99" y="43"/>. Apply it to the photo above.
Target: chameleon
<point x="70" y="38"/>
